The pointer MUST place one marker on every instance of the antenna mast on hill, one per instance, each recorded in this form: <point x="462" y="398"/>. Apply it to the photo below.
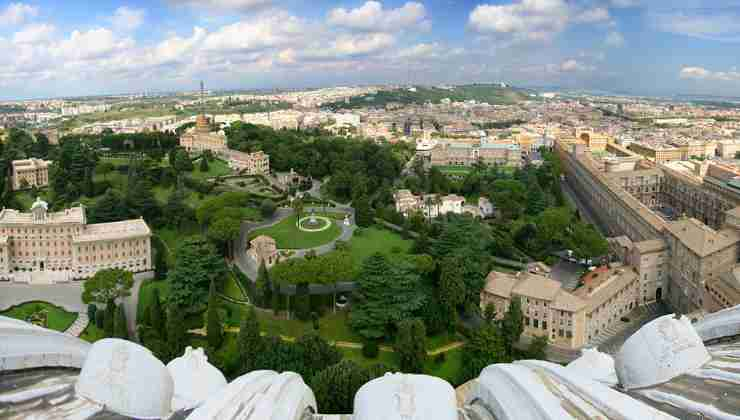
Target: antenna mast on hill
<point x="202" y="99"/>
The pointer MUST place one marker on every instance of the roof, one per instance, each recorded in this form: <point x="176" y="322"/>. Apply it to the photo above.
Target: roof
<point x="114" y="230"/>
<point x="537" y="287"/>
<point x="651" y="245"/>
<point x="565" y="301"/>
<point x="14" y="217"/>
<point x="500" y="284"/>
<point x="700" y="238"/>
<point x="601" y="285"/>
<point x="262" y="239"/>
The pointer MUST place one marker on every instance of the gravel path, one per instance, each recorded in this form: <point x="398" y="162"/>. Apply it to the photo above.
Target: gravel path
<point x="79" y="325"/>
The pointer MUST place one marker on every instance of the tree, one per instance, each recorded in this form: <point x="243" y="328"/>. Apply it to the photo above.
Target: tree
<point x="386" y="294"/>
<point x="267" y="208"/>
<point x="317" y="354"/>
<point x="176" y="210"/>
<point x="176" y="331"/>
<point x="485" y="346"/>
<point x="336" y="386"/>
<point x="213" y="325"/>
<point x="363" y="212"/>
<point x="298" y="208"/>
<point x="141" y="201"/>
<point x="180" y="161"/>
<point x="72" y="171"/>
<point x="223" y="232"/>
<point x="410" y="345"/>
<point x="120" y="326"/>
<point x="108" y="320"/>
<point x="513" y="324"/>
<point x="109" y="208"/>
<point x="249" y="342"/>
<point x="204" y="165"/>
<point x="452" y="285"/>
<point x="157" y="317"/>
<point x="489" y="313"/>
<point x="92" y="310"/>
<point x="536" y="200"/>
<point x="196" y="265"/>
<point x="509" y="196"/>
<point x="104" y="168"/>
<point x="537" y="347"/>
<point x="587" y="242"/>
<point x="263" y="285"/>
<point x="107" y="285"/>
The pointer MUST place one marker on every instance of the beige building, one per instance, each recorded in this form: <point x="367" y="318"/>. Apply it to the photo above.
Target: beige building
<point x="257" y="163"/>
<point x="30" y="173"/>
<point x="201" y="138"/>
<point x="63" y="242"/>
<point x="727" y="149"/>
<point x="570" y="320"/>
<point x="658" y="153"/>
<point x="465" y="154"/>
<point x="263" y="249"/>
<point x="433" y="205"/>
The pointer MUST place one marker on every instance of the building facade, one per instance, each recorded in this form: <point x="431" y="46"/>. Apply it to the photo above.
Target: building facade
<point x="263" y="250"/>
<point x="257" y="163"/>
<point x="63" y="242"/>
<point x="30" y="173"/>
<point x="465" y="154"/>
<point x="433" y="205"/>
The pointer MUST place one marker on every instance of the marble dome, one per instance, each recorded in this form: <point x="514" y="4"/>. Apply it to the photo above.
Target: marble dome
<point x="195" y="379"/>
<point x="405" y="397"/>
<point x="595" y="365"/>
<point x="26" y="346"/>
<point x="127" y="379"/>
<point x="663" y="349"/>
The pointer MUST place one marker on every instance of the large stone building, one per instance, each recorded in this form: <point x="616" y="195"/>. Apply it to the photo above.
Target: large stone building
<point x="677" y="221"/>
<point x="30" y="173"/>
<point x="64" y="243"/>
<point x="570" y="320"/>
<point x="433" y="205"/>
<point x="466" y="154"/>
<point x="263" y="250"/>
<point x="201" y="138"/>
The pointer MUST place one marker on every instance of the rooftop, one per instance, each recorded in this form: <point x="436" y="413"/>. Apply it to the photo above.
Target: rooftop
<point x="114" y="230"/>
<point x="700" y="238"/>
<point x="15" y="217"/>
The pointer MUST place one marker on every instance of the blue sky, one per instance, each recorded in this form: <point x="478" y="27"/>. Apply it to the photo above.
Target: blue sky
<point x="653" y="47"/>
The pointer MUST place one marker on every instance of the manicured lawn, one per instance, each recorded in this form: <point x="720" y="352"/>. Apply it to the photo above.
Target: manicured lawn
<point x="216" y="167"/>
<point x="387" y="358"/>
<point x="288" y="236"/>
<point x="368" y="241"/>
<point x="448" y="370"/>
<point x="456" y="170"/>
<point x="57" y="318"/>
<point x="92" y="334"/>
<point x="232" y="289"/>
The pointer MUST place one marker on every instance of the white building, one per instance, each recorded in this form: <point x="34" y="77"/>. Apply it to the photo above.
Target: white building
<point x="30" y="173"/>
<point x="434" y="205"/>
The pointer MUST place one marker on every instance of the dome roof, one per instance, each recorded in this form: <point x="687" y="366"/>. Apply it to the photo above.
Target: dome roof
<point x="127" y="379"/>
<point x="724" y="323"/>
<point x="595" y="365"/>
<point x="659" y="351"/>
<point x="406" y="397"/>
<point x="40" y="203"/>
<point x="26" y="346"/>
<point x="195" y="379"/>
<point x="260" y="395"/>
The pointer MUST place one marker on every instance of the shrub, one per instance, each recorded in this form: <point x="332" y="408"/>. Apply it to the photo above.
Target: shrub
<point x="370" y="349"/>
<point x="440" y="358"/>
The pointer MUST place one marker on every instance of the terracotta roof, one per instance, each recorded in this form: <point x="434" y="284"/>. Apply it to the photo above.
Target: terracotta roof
<point x="565" y="301"/>
<point x="500" y="284"/>
<point x="538" y="287"/>
<point x="702" y="239"/>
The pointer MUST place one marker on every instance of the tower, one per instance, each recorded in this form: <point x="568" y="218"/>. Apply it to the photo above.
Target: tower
<point x="201" y="121"/>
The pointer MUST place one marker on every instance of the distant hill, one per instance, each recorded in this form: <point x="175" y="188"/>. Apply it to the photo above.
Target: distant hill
<point x="492" y="94"/>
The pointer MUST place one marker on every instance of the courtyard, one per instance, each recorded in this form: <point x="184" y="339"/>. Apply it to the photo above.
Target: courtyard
<point x="288" y="235"/>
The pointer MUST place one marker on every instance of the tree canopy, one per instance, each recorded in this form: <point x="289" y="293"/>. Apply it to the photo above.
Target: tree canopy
<point x="196" y="265"/>
<point x="107" y="285"/>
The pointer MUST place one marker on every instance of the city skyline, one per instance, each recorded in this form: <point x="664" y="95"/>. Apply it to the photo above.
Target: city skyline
<point x="630" y="46"/>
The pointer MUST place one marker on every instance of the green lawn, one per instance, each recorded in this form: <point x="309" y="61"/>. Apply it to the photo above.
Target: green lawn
<point x="387" y="358"/>
<point x="57" y="318"/>
<point x="173" y="236"/>
<point x="288" y="236"/>
<point x="92" y="334"/>
<point x="366" y="242"/>
<point x="232" y="289"/>
<point x="449" y="369"/>
<point x="455" y="170"/>
<point x="216" y="167"/>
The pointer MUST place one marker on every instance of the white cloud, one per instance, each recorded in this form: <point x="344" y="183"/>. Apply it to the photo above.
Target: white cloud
<point x="614" y="39"/>
<point x="598" y="14"/>
<point x="351" y="46"/>
<point x="127" y="19"/>
<point x="17" y="13"/>
<point x="372" y="17"/>
<point x="33" y="34"/>
<point x="572" y="65"/>
<point x="700" y="73"/>
<point x="533" y="20"/>
<point x="223" y="6"/>
<point x="625" y="3"/>
<point x="701" y="24"/>
<point x="274" y="30"/>
<point x="93" y="44"/>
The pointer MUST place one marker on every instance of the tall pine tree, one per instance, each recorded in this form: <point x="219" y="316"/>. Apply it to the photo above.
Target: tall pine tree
<point x="213" y="327"/>
<point x="249" y="342"/>
<point x="410" y="345"/>
<point x="176" y="332"/>
<point x="120" y="325"/>
<point x="386" y="294"/>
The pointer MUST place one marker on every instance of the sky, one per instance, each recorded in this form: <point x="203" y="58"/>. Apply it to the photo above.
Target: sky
<point x="57" y="48"/>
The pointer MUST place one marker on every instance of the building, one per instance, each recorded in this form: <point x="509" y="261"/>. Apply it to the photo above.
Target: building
<point x="30" y="173"/>
<point x="680" y="225"/>
<point x="570" y="320"/>
<point x="64" y="243"/>
<point x="658" y="153"/>
<point x="433" y="205"/>
<point x="200" y="138"/>
<point x="263" y="249"/>
<point x="257" y="163"/>
<point x="465" y="154"/>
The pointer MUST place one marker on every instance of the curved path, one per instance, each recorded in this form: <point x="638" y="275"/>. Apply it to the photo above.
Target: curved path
<point x="247" y="265"/>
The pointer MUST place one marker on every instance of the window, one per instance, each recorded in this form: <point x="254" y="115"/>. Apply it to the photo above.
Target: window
<point x="536" y="323"/>
<point x="526" y="320"/>
<point x="560" y="332"/>
<point x="569" y="334"/>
